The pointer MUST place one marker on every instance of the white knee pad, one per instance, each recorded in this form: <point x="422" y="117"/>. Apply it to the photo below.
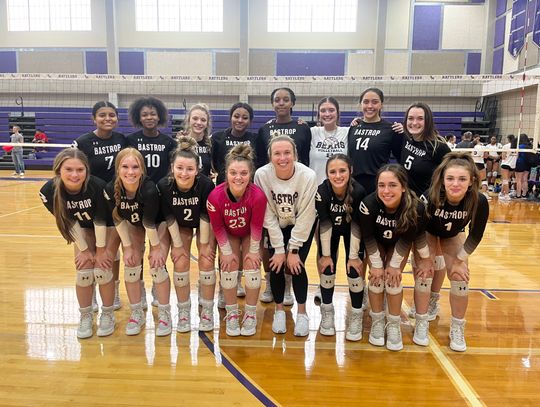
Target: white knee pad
<point x="159" y="274"/>
<point x="85" y="277"/>
<point x="207" y="277"/>
<point x="102" y="276"/>
<point x="439" y="263"/>
<point x="229" y="279"/>
<point x="252" y="278"/>
<point x="132" y="274"/>
<point x="356" y="284"/>
<point x="393" y="290"/>
<point x="459" y="288"/>
<point x="489" y="174"/>
<point x="495" y="173"/>
<point x="376" y="289"/>
<point x="328" y="280"/>
<point x="181" y="279"/>
<point x="423" y="286"/>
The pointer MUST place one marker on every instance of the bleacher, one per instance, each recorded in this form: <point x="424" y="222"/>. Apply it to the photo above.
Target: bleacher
<point x="63" y="125"/>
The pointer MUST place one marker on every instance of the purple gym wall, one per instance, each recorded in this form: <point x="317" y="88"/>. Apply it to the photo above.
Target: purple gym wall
<point x="427" y="27"/>
<point x="8" y="61"/>
<point x="316" y="64"/>
<point x="497" y="66"/>
<point x="131" y="62"/>
<point x="96" y="62"/>
<point x="473" y="63"/>
<point x="501" y="7"/>
<point x="500" y="26"/>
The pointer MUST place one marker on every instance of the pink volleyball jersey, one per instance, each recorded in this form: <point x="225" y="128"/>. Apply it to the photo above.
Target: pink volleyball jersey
<point x="242" y="218"/>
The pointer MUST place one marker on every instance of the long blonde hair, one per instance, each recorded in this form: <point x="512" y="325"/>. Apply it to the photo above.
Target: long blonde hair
<point x="118" y="186"/>
<point x="64" y="222"/>
<point x="187" y="128"/>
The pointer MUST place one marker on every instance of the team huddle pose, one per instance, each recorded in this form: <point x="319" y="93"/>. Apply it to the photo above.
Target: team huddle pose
<point x="275" y="191"/>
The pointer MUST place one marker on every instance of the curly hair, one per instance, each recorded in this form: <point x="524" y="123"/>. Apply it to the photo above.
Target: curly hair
<point x="135" y="108"/>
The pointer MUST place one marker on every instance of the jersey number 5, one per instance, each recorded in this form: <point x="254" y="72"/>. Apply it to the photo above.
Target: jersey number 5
<point x="408" y="162"/>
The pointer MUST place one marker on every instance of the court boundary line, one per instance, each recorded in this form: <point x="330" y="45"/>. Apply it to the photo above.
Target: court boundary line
<point x="239" y="374"/>
<point x="22" y="210"/>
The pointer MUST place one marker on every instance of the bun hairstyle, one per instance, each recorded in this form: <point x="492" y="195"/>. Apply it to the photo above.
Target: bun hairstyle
<point x="63" y="221"/>
<point x="187" y="148"/>
<point x="241" y="152"/>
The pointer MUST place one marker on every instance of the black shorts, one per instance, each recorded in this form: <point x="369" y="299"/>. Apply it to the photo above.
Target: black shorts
<point x="480" y="166"/>
<point x="506" y="167"/>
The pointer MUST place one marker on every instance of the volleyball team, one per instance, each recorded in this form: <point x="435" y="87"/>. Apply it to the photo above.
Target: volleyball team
<point x="277" y="190"/>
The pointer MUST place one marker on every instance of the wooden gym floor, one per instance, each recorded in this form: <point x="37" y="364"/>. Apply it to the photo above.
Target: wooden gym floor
<point x="43" y="363"/>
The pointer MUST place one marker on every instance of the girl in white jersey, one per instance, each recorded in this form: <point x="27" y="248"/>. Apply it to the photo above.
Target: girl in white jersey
<point x="508" y="165"/>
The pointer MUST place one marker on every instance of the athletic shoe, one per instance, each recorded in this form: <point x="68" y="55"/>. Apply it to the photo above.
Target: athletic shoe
<point x="136" y="320"/>
<point x="504" y="197"/>
<point x="143" y="296"/>
<point x="288" y="298"/>
<point x="164" y="325"/>
<point x="433" y="306"/>
<point x="421" y="330"/>
<point x="95" y="305"/>
<point x="240" y="291"/>
<point x="301" y="328"/>
<point x="376" y="333"/>
<point x="184" y="317"/>
<point x="107" y="322"/>
<point x="354" y="330"/>
<point x="278" y="324"/>
<point x="249" y="323"/>
<point x="393" y="333"/>
<point x="317" y="298"/>
<point x="232" y="323"/>
<point x="221" y="299"/>
<point x="155" y="301"/>
<point x="327" y="326"/>
<point x="457" y="335"/>
<point x="266" y="295"/>
<point x="15" y="174"/>
<point x="490" y="188"/>
<point x="21" y="175"/>
<point x="206" y="319"/>
<point x="86" y="322"/>
<point x="117" y="303"/>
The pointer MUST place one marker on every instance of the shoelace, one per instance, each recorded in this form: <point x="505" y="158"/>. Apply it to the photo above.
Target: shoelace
<point x="378" y="327"/>
<point x="393" y="330"/>
<point x="86" y="319"/>
<point x="422" y="327"/>
<point x="457" y="334"/>
<point x="355" y="321"/>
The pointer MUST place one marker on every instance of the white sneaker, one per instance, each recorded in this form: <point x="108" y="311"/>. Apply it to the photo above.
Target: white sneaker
<point x="206" y="319"/>
<point x="117" y="303"/>
<point x="86" y="322"/>
<point x="143" y="296"/>
<point x="266" y="295"/>
<point x="184" y="317"/>
<point x="278" y="324"/>
<point x="249" y="323"/>
<point x="421" y="330"/>
<point x="221" y="299"/>
<point x="457" y="335"/>
<point x="107" y="321"/>
<point x="240" y="291"/>
<point x="95" y="305"/>
<point x="288" y="298"/>
<point x="155" y="301"/>
<point x="15" y="174"/>
<point x="136" y="320"/>
<point x="164" y="325"/>
<point x="301" y="328"/>
<point x="232" y="323"/>
<point x="327" y="326"/>
<point x="393" y="333"/>
<point x="354" y="330"/>
<point x="21" y="175"/>
<point x="433" y="306"/>
<point x="376" y="333"/>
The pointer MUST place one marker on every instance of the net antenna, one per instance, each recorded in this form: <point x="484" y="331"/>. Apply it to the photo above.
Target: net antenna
<point x="20" y="102"/>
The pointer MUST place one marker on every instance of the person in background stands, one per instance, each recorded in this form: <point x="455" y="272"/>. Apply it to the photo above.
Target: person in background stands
<point x="17" y="152"/>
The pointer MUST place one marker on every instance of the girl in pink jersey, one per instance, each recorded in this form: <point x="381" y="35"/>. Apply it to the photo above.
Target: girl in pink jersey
<point x="236" y="209"/>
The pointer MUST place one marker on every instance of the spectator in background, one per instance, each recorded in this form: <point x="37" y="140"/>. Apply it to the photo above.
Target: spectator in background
<point x="451" y="141"/>
<point x="466" y="141"/>
<point x="17" y="152"/>
<point x="40" y="138"/>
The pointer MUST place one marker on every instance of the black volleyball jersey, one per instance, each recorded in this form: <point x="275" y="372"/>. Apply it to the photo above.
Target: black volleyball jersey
<point x="101" y="152"/>
<point x="187" y="208"/>
<point x="370" y="145"/>
<point x="420" y="158"/>
<point x="450" y="220"/>
<point x="87" y="207"/>
<point x="223" y="142"/>
<point x="205" y="155"/>
<point x="300" y="133"/>
<point x="142" y="210"/>
<point x="331" y="209"/>
<point x="156" y="152"/>
<point x="379" y="225"/>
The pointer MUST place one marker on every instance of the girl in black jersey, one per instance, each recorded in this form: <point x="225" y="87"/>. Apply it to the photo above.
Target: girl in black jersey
<point x="391" y="219"/>
<point x="283" y="100"/>
<point x="372" y="139"/>
<point x="75" y="198"/>
<point x="453" y="202"/>
<point x="423" y="147"/>
<point x="337" y="201"/>
<point x="198" y="124"/>
<point x="134" y="202"/>
<point x="183" y="196"/>
<point x="101" y="147"/>
<point x="149" y="114"/>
